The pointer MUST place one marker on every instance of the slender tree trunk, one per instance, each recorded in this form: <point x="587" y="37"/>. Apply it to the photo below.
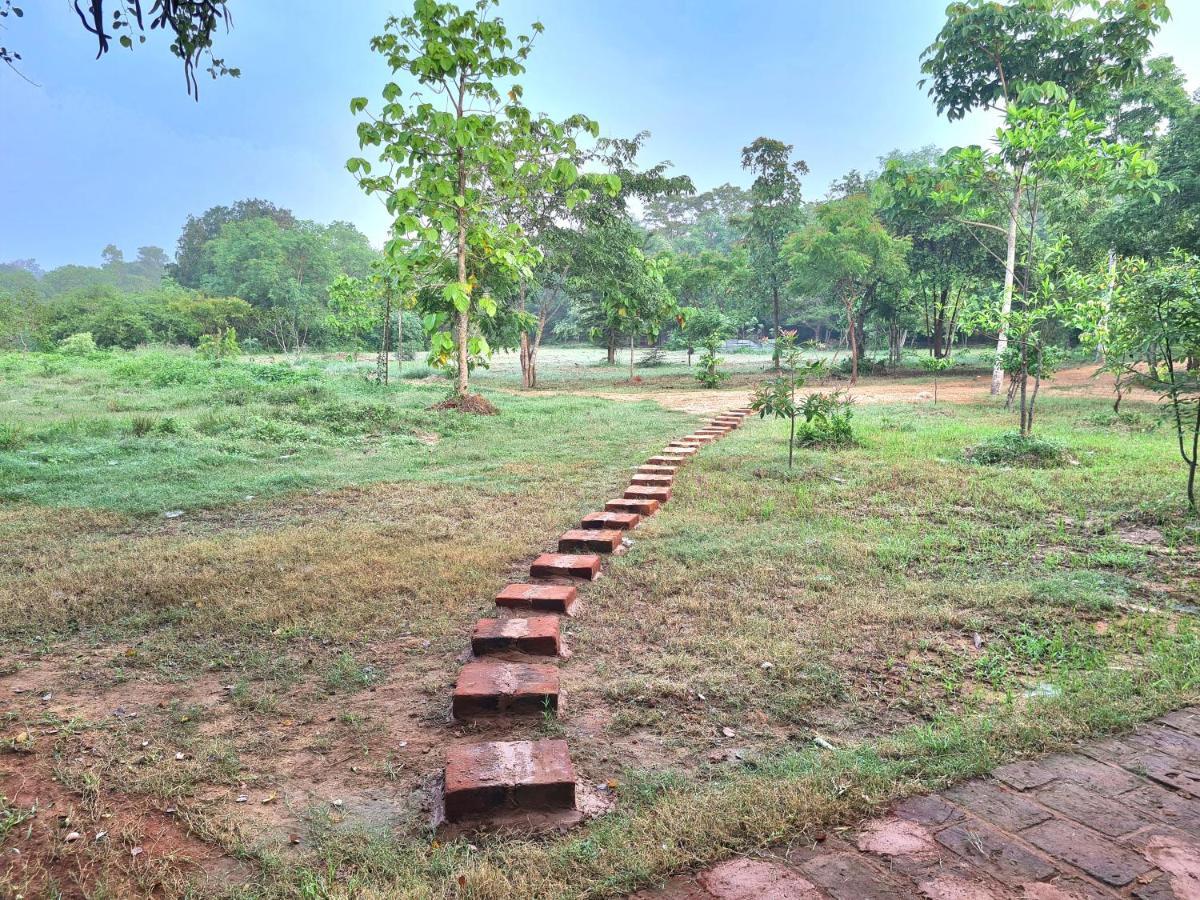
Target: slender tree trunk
<point x="612" y="348"/>
<point x="400" y="342"/>
<point x="381" y="360"/>
<point x="852" y="333"/>
<point x="1010" y="268"/>
<point x="1024" y="376"/>
<point x="526" y="357"/>
<point x="631" y="356"/>
<point x="775" y="306"/>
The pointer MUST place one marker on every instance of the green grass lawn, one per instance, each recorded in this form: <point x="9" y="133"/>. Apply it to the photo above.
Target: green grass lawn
<point x="924" y="616"/>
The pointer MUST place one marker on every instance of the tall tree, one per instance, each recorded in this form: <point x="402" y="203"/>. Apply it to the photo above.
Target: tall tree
<point x="847" y="254"/>
<point x="188" y="268"/>
<point x="990" y="55"/>
<point x="774" y="214"/>
<point x="443" y="169"/>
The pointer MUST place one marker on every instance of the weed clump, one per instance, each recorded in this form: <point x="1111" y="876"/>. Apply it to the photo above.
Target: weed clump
<point x="1017" y="450"/>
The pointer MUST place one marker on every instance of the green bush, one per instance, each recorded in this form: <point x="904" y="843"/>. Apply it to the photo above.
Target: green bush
<point x="81" y="344"/>
<point x="709" y="374"/>
<point x="1014" y="450"/>
<point x="826" y="421"/>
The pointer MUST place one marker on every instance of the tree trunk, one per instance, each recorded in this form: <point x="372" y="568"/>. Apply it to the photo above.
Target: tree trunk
<point x="612" y="348"/>
<point x="631" y="356"/>
<point x="852" y="333"/>
<point x="526" y="359"/>
<point x="775" y="306"/>
<point x="400" y="342"/>
<point x="1010" y="268"/>
<point x="462" y="324"/>
<point x="381" y="359"/>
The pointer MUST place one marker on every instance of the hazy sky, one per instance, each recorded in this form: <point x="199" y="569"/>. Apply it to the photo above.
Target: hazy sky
<point x="114" y="151"/>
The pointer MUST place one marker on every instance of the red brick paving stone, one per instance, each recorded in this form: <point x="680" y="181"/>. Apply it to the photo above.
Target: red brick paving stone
<point x="696" y="440"/>
<point x="1024" y="775"/>
<point x="489" y="686"/>
<point x="1103" y="778"/>
<point x="995" y="852"/>
<point x="508" y="774"/>
<point x="536" y="635"/>
<point x="756" y="879"/>
<point x="989" y="801"/>
<point x="566" y="565"/>
<point x="541" y="597"/>
<point x="652" y="480"/>
<point x="652" y="469"/>
<point x="1157" y="802"/>
<point x="848" y="876"/>
<point x="642" y="492"/>
<point x="1075" y="802"/>
<point x="1177" y="854"/>
<point x="1167" y="740"/>
<point x="928" y="809"/>
<point x="1186" y="720"/>
<point x="672" y="462"/>
<point x="1098" y="857"/>
<point x="624" y="504"/>
<point x="1160" y="767"/>
<point x="621" y="521"/>
<point x="589" y="540"/>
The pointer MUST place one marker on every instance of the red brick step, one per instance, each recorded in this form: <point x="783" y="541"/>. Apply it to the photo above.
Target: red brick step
<point x="505" y="775"/>
<point x="536" y="635"/>
<point x="627" y="504"/>
<point x="621" y="521"/>
<point x="641" y="492"/>
<point x="567" y="565"/>
<point x="652" y="479"/>
<point x="589" y="540"/>
<point x="489" y="686"/>
<point x="542" y="597"/>
<point x="657" y="469"/>
<point x="668" y="459"/>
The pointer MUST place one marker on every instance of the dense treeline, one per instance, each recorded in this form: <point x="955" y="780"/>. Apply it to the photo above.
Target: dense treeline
<point x="252" y="267"/>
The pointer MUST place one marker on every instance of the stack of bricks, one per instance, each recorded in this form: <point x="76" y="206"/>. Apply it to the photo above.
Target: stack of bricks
<point x="513" y="671"/>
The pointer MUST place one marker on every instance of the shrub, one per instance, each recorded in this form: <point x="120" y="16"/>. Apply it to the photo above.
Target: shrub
<point x="141" y="426"/>
<point x="80" y="344"/>
<point x="826" y="421"/>
<point x="222" y="345"/>
<point x="708" y="374"/>
<point x="1015" y="450"/>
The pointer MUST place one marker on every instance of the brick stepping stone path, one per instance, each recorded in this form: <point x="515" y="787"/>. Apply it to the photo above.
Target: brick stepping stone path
<point x="566" y="565"/>
<point x="510" y="675"/>
<point x="535" y="635"/>
<point x="557" y="598"/>
<point x="490" y="686"/>
<point x="499" y="774"/>
<point x="595" y="540"/>
<point x="1120" y="818"/>
<point x="622" y="521"/>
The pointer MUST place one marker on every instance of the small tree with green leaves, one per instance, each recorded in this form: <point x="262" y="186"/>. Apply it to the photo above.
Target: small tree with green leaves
<point x="1150" y="322"/>
<point x="935" y="365"/>
<point x="710" y="374"/>
<point x="447" y="164"/>
<point x="777" y="397"/>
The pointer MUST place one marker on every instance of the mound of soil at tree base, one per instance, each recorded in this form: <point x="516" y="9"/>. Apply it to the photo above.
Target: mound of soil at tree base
<point x="468" y="403"/>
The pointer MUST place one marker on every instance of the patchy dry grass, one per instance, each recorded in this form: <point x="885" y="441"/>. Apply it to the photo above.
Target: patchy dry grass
<point x="925" y="617"/>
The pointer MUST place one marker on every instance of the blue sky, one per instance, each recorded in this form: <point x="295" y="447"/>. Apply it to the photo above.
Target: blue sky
<point x="114" y="151"/>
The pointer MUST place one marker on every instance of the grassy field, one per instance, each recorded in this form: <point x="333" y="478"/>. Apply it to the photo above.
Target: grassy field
<point x="254" y="689"/>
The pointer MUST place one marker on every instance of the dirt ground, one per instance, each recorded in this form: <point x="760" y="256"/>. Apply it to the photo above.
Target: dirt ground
<point x="1080" y="381"/>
